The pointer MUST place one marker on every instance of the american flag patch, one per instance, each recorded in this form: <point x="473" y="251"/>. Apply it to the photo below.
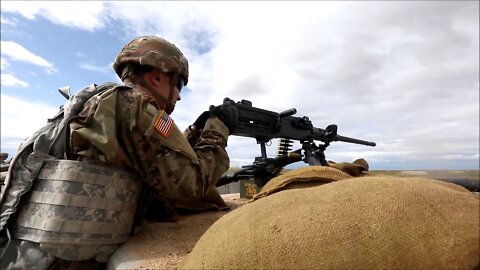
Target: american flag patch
<point x="163" y="124"/>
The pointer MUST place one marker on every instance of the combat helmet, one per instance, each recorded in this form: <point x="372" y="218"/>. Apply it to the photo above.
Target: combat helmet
<point x="153" y="51"/>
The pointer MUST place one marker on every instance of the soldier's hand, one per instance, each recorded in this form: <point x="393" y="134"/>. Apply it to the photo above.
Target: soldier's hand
<point x="227" y="113"/>
<point x="192" y="134"/>
<point x="202" y="120"/>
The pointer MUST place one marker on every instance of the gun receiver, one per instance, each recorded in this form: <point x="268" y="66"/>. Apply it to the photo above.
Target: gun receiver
<point x="264" y="125"/>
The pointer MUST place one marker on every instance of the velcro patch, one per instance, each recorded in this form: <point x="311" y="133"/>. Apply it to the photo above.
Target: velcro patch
<point x="163" y="124"/>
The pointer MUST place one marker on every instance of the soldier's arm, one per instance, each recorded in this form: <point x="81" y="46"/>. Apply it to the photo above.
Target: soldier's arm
<point x="165" y="159"/>
<point x="192" y="134"/>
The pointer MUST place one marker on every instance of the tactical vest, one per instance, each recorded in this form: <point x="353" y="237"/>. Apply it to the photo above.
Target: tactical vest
<point x="76" y="210"/>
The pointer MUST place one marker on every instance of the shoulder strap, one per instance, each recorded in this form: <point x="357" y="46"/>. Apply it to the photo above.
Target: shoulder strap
<point x="72" y="108"/>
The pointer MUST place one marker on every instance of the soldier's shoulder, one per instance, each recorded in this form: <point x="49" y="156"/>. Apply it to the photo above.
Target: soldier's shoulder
<point x="130" y="94"/>
<point x="133" y="102"/>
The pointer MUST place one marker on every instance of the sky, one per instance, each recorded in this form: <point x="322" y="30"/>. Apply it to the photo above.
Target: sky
<point x="403" y="74"/>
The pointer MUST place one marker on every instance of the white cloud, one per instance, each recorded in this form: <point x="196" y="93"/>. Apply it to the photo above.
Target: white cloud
<point x="91" y="66"/>
<point x="403" y="74"/>
<point x="6" y="21"/>
<point x="10" y="80"/>
<point x="18" y="53"/>
<point x="76" y="14"/>
<point x="3" y="63"/>
<point x="20" y="119"/>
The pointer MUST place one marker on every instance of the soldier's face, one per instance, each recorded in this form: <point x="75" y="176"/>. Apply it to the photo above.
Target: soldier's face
<point x="164" y="90"/>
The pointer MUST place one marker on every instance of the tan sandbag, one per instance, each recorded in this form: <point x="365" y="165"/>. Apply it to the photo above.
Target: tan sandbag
<point x="356" y="168"/>
<point x="303" y="177"/>
<point x="361" y="223"/>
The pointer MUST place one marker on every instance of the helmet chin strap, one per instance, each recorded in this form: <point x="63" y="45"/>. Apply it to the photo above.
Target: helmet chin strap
<point x="169" y="107"/>
<point x="173" y="84"/>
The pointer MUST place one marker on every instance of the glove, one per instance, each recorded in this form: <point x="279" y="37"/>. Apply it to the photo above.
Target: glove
<point x="227" y="113"/>
<point x="202" y="120"/>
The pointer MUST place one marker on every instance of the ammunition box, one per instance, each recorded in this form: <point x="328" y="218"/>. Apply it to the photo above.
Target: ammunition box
<point x="248" y="189"/>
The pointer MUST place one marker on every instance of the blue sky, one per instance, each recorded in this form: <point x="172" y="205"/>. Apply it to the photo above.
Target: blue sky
<point x="78" y="57"/>
<point x="403" y="74"/>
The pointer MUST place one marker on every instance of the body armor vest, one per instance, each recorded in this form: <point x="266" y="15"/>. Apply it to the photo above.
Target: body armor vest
<point x="76" y="210"/>
<point x="77" y="203"/>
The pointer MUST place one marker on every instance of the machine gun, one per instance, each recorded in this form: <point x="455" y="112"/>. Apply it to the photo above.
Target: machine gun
<point x="264" y="125"/>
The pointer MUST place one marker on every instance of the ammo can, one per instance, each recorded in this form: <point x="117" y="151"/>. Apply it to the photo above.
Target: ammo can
<point x="248" y="189"/>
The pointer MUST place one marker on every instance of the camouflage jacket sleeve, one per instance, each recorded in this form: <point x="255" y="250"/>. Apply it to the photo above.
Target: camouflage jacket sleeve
<point x="123" y="128"/>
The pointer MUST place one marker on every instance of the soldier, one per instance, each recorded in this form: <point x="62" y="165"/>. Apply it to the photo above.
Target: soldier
<point x="73" y="188"/>
<point x="3" y="157"/>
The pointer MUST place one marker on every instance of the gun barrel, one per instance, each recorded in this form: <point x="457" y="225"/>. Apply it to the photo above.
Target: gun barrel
<point x="288" y="112"/>
<point x="353" y="140"/>
<point x="227" y="179"/>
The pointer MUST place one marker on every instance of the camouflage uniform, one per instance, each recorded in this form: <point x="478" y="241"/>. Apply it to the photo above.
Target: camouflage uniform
<point x="118" y="127"/>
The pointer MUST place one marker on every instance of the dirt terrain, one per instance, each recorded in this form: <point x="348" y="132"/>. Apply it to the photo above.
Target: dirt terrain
<point x="161" y="245"/>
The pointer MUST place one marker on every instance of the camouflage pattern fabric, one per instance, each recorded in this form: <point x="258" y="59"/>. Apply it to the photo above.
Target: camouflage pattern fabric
<point x="152" y="51"/>
<point x="29" y="255"/>
<point x="118" y="128"/>
<point x="78" y="210"/>
<point x="25" y="255"/>
<point x="46" y="143"/>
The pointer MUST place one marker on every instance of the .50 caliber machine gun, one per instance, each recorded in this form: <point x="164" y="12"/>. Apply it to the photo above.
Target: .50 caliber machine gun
<point x="264" y="125"/>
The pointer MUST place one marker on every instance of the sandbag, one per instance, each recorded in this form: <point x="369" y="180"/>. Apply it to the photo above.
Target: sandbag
<point x="360" y="223"/>
<point x="308" y="176"/>
<point x="356" y="168"/>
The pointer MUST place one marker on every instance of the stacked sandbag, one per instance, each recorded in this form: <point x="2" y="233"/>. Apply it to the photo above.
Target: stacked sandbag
<point x="358" y="223"/>
<point x="356" y="168"/>
<point x="308" y="176"/>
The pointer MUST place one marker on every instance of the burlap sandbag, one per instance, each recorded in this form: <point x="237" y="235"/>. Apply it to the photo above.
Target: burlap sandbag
<point x="356" y="168"/>
<point x="304" y="177"/>
<point x="361" y="223"/>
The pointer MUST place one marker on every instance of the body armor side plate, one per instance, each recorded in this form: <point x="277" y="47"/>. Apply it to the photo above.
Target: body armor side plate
<point x="73" y="202"/>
